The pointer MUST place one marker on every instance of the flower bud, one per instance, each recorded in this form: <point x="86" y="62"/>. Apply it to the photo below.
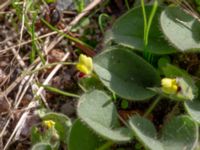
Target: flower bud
<point x="169" y="86"/>
<point x="49" y="123"/>
<point x="85" y="64"/>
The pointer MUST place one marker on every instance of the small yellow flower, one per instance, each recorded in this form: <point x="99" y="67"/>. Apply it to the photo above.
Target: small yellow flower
<point x="85" y="64"/>
<point x="49" y="123"/>
<point x="169" y="86"/>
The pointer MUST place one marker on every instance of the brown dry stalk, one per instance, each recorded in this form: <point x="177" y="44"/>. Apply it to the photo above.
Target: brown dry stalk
<point x="33" y="103"/>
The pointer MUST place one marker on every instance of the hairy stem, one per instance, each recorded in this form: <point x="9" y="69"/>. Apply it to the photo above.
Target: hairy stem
<point x="153" y="105"/>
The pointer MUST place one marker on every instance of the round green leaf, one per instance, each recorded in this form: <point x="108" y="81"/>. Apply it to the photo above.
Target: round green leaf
<point x="145" y="132"/>
<point x="181" y="29"/>
<point x="180" y="133"/>
<point x="62" y="124"/>
<point x="82" y="138"/>
<point x="128" y="30"/>
<point x="193" y="109"/>
<point x="99" y="113"/>
<point x="91" y="83"/>
<point x="126" y="73"/>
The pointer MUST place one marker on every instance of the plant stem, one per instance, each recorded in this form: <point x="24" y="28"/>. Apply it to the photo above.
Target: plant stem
<point x="152" y="14"/>
<point x="105" y="146"/>
<point x="147" y="26"/>
<point x="100" y="21"/>
<point x="76" y="40"/>
<point x="153" y="105"/>
<point x="55" y="90"/>
<point x="144" y="18"/>
<point x="171" y="114"/>
<point x="127" y="5"/>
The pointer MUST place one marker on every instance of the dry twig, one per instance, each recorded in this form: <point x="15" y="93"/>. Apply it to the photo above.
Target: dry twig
<point x="16" y="132"/>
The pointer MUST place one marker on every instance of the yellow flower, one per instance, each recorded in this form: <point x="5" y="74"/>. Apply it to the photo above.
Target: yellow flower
<point x="85" y="64"/>
<point x="169" y="86"/>
<point x="49" y="123"/>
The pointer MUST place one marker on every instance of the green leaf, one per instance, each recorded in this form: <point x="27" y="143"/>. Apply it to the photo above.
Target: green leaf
<point x="193" y="109"/>
<point x="42" y="146"/>
<point x="186" y="91"/>
<point x="172" y="71"/>
<point x="99" y="113"/>
<point x="128" y="30"/>
<point x="145" y="132"/>
<point x="62" y="124"/>
<point x="126" y="74"/>
<point x="35" y="135"/>
<point x="91" y="83"/>
<point x="181" y="133"/>
<point x="82" y="138"/>
<point x="197" y="2"/>
<point x="163" y="61"/>
<point x="124" y="104"/>
<point x="181" y="29"/>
